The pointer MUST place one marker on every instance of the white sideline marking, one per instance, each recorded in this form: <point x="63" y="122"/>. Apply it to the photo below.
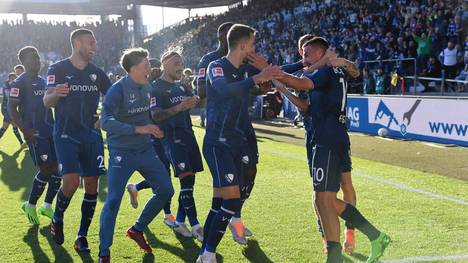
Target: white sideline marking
<point x="426" y="259"/>
<point x="386" y="181"/>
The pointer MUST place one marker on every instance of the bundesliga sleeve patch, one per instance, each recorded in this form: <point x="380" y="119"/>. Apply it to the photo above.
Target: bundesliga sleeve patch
<point x="50" y="79"/>
<point x="14" y="92"/>
<point x="201" y="72"/>
<point x="153" y="102"/>
<point x="217" y="72"/>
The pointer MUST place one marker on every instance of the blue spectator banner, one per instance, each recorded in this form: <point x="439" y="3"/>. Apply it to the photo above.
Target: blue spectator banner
<point x="419" y="118"/>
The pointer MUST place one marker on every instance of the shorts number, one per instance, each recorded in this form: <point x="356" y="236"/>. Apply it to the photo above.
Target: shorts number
<point x="318" y="174"/>
<point x="100" y="158"/>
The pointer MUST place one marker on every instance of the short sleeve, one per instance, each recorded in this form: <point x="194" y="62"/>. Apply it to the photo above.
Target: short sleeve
<point x="16" y="90"/>
<point x="215" y="72"/>
<point x="156" y="100"/>
<point x="52" y="77"/>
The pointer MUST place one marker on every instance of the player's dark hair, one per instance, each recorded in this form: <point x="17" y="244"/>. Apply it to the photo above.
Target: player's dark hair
<point x="303" y="39"/>
<point x="132" y="57"/>
<point x="318" y="42"/>
<point x="22" y="53"/>
<point x="12" y="74"/>
<point x="223" y="30"/>
<point x="169" y="54"/>
<point x="237" y="33"/>
<point x="79" y="32"/>
<point x="19" y="66"/>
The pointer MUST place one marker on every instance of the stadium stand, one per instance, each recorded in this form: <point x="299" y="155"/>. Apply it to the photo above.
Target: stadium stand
<point x="52" y="40"/>
<point x="360" y="30"/>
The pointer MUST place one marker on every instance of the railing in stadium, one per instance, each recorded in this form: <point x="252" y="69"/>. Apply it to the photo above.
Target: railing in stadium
<point x="442" y="86"/>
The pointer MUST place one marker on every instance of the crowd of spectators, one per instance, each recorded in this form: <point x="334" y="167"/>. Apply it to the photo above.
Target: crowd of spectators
<point x="360" y="30"/>
<point x="52" y="41"/>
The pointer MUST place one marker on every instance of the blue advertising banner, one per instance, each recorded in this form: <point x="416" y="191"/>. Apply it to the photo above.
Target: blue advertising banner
<point x="420" y="118"/>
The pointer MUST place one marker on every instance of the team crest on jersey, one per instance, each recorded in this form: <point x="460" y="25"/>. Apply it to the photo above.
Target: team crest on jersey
<point x="93" y="77"/>
<point x="118" y="159"/>
<point x="132" y="98"/>
<point x="50" y="79"/>
<point x="153" y="102"/>
<point x="201" y="72"/>
<point x="181" y="166"/>
<point x="229" y="177"/>
<point x="14" y="92"/>
<point x="245" y="159"/>
<point x="44" y="157"/>
<point x="217" y="72"/>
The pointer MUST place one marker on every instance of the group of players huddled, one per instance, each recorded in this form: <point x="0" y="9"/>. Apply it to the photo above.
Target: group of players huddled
<point x="146" y="115"/>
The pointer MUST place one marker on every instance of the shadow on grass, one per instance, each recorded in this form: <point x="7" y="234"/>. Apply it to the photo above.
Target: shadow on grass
<point x="359" y="256"/>
<point x="15" y="178"/>
<point x="188" y="252"/>
<point x="60" y="253"/>
<point x="32" y="240"/>
<point x="254" y="253"/>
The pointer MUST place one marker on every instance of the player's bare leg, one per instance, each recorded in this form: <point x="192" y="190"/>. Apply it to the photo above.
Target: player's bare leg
<point x="349" y="196"/>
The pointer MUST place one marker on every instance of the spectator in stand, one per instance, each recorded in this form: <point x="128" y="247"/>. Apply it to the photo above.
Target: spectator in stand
<point x="380" y="82"/>
<point x="368" y="82"/>
<point x="448" y="59"/>
<point x="424" y="43"/>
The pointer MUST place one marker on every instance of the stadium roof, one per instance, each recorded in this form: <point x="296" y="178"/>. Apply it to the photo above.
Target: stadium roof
<point x="97" y="7"/>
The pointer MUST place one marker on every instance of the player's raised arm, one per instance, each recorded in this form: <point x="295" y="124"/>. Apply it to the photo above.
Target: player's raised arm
<point x="227" y="89"/>
<point x="348" y="66"/>
<point x="297" y="83"/>
<point x="301" y="104"/>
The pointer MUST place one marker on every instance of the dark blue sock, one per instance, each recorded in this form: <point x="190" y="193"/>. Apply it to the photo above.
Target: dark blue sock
<point x="167" y="208"/>
<point x="187" y="200"/>
<point x="334" y="252"/>
<point x="2" y="131"/>
<point x="87" y="212"/>
<point x="18" y="135"/>
<point x="238" y="214"/>
<point x="180" y="217"/>
<point x="38" y="186"/>
<point x="142" y="185"/>
<point x="215" y="206"/>
<point x="54" y="184"/>
<point x="220" y="223"/>
<point x="60" y="206"/>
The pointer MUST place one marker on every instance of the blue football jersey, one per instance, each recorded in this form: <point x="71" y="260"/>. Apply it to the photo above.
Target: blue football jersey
<point x="75" y="114"/>
<point x="328" y="106"/>
<point x="228" y="93"/>
<point x="29" y="91"/>
<point x="205" y="61"/>
<point x="166" y="95"/>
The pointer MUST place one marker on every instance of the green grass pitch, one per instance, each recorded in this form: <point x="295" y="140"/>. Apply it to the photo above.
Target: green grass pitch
<point x="279" y="213"/>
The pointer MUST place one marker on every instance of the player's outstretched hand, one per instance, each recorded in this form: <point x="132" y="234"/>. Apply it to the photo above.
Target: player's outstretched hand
<point x="329" y="55"/>
<point x="269" y="73"/>
<point x="257" y="61"/>
<point x="62" y="90"/>
<point x="150" y="129"/>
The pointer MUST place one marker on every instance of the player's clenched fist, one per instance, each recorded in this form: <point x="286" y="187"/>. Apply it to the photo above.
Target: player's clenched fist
<point x="62" y="90"/>
<point x="150" y="129"/>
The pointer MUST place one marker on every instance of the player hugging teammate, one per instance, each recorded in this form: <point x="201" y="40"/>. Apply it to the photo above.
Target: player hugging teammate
<point x="146" y="115"/>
